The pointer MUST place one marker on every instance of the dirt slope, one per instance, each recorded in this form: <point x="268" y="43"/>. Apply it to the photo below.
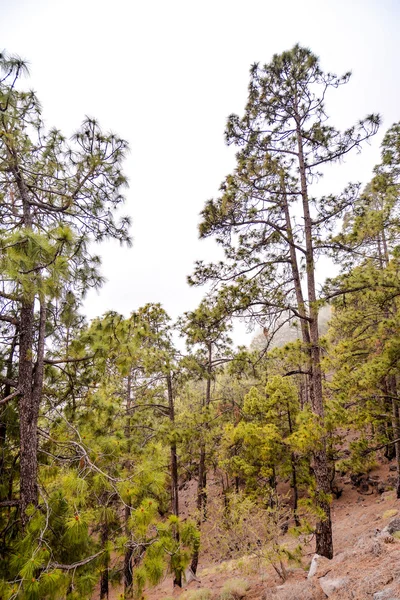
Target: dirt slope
<point x="366" y="561"/>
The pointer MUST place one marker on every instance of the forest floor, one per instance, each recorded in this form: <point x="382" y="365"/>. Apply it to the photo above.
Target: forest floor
<point x="364" y="563"/>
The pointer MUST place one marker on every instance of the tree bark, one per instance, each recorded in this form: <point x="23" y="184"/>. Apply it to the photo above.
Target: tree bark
<point x="27" y="413"/>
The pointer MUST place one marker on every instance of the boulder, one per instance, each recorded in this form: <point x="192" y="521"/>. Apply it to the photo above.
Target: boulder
<point x="393" y="526"/>
<point x="314" y="566"/>
<point x="319" y="567"/>
<point x="330" y="586"/>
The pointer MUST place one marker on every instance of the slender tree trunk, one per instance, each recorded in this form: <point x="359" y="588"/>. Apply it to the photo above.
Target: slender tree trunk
<point x="324" y="540"/>
<point x="7" y="392"/>
<point x="295" y="489"/>
<point x="202" y="478"/>
<point x="27" y="413"/>
<point x="31" y="385"/>
<point x="301" y="306"/>
<point x="173" y="450"/>
<point x="30" y="390"/>
<point x="396" y="429"/>
<point x="392" y="389"/>
<point x="128" y="572"/>
<point x="174" y="468"/>
<point x="104" y="578"/>
<point x="294" y="473"/>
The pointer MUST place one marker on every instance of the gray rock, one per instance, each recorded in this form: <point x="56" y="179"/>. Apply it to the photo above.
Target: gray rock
<point x="385" y="595"/>
<point x="393" y="526"/>
<point x="313" y="566"/>
<point x="190" y="576"/>
<point x="329" y="585"/>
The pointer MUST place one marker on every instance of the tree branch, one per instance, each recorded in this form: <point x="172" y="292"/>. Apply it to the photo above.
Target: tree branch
<point x="9" y="397"/>
<point x="75" y="565"/>
<point x="49" y="361"/>
<point x="4" y="503"/>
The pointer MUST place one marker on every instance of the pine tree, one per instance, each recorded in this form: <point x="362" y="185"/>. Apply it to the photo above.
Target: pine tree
<point x="57" y="196"/>
<point x="366" y="300"/>
<point x="205" y="328"/>
<point x="284" y="140"/>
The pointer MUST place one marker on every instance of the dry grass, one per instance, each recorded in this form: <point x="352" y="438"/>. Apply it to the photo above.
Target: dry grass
<point x="388" y="514"/>
<point x="300" y="590"/>
<point x="201" y="594"/>
<point x="234" y="589"/>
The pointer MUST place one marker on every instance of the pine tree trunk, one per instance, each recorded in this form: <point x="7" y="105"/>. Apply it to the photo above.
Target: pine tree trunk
<point x="202" y="479"/>
<point x="174" y="469"/>
<point x="294" y="473"/>
<point x="200" y="501"/>
<point x="104" y="578"/>
<point x="295" y="490"/>
<point x="27" y="414"/>
<point x="301" y="307"/>
<point x="7" y="392"/>
<point x="30" y="390"/>
<point x="128" y="573"/>
<point x="324" y="541"/>
<point x="31" y="394"/>
<point x="392" y="389"/>
<point x="173" y="451"/>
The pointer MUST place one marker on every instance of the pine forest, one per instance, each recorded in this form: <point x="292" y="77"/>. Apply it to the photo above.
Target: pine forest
<point x="138" y="452"/>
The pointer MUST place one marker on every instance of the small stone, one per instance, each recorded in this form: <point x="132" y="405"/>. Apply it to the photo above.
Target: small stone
<point x="385" y="595"/>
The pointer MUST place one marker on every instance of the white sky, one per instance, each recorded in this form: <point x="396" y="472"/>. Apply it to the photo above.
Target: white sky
<point x="165" y="74"/>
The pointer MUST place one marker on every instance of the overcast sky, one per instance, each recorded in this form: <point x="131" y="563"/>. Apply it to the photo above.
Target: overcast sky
<point x="165" y="74"/>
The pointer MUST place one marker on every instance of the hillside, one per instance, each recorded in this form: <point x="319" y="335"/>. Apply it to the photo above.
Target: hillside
<point x="365" y="565"/>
